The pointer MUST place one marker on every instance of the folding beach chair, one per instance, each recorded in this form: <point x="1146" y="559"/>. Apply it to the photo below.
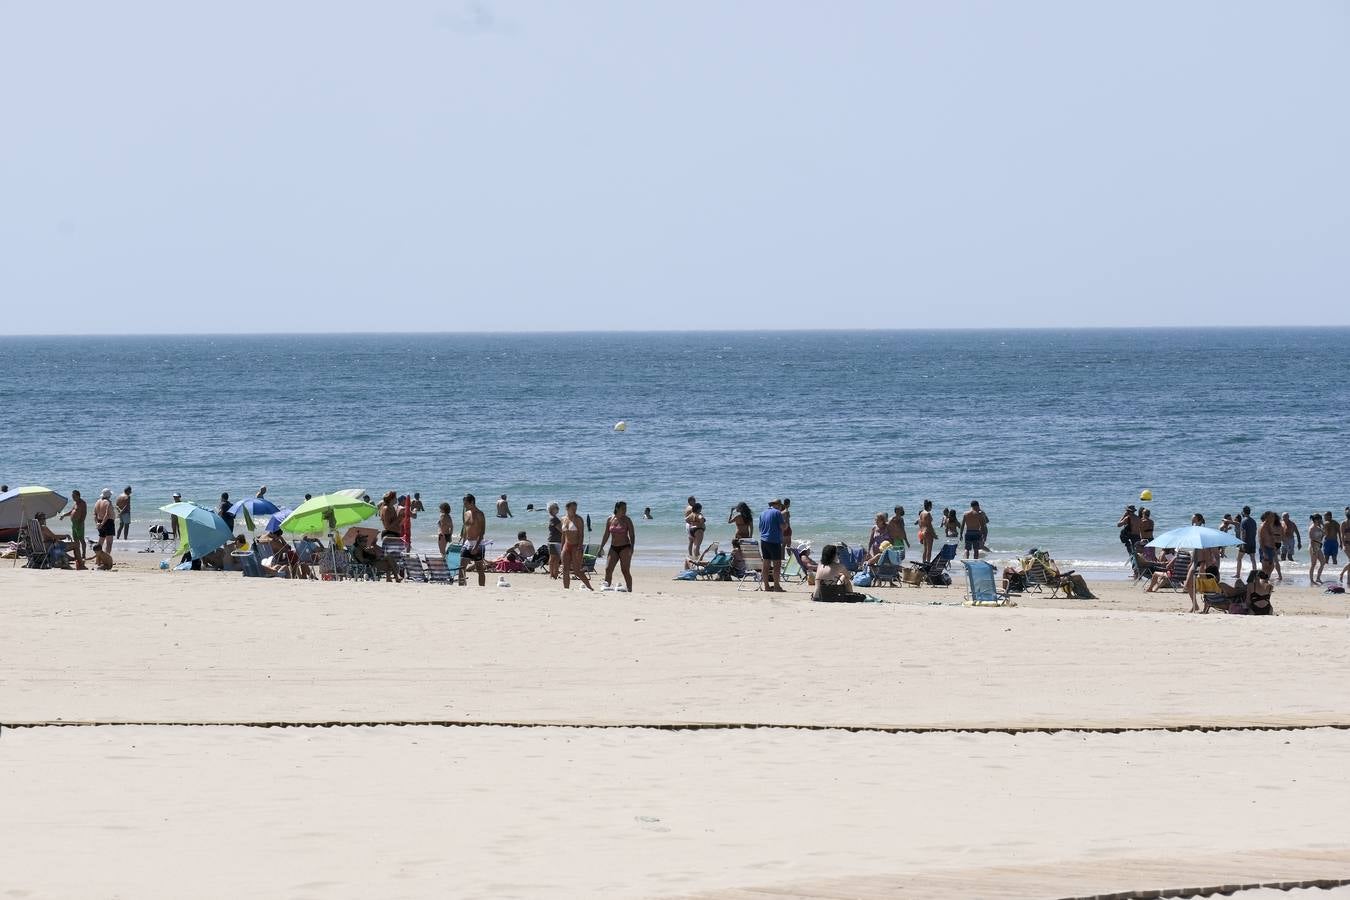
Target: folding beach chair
<point x="250" y="562"/>
<point x="887" y="569"/>
<point x="415" y="568"/>
<point x="982" y="589"/>
<point x="1177" y="571"/>
<point x="715" y="568"/>
<point x="37" y="546"/>
<point x="934" y="572"/>
<point x="438" y="569"/>
<point x="754" y="565"/>
<point x="454" y="562"/>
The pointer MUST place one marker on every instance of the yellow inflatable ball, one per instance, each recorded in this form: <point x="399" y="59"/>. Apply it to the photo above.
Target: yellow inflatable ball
<point x="1146" y="495"/>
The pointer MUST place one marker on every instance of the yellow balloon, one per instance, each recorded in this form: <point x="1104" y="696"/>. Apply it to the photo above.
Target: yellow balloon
<point x="1146" y="495"/>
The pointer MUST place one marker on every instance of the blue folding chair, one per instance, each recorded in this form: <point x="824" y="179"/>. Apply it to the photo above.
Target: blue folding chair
<point x="982" y="587"/>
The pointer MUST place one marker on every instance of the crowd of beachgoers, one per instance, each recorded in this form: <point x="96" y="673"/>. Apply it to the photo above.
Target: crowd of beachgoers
<point x="273" y="541"/>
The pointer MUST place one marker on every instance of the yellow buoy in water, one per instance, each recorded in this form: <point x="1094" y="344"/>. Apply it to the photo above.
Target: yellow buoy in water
<point x="1146" y="495"/>
<point x="620" y="426"/>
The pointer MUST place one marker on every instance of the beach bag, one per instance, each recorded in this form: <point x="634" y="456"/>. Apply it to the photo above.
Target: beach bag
<point x="863" y="579"/>
<point x="687" y="575"/>
<point x="912" y="576"/>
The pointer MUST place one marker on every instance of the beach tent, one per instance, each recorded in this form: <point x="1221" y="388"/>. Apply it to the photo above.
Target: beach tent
<point x="21" y="504"/>
<point x="202" y="530"/>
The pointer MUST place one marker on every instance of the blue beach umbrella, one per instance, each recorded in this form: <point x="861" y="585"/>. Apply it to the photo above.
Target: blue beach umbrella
<point x="1194" y="537"/>
<point x="205" y="531"/>
<point x="274" y="523"/>
<point x="256" y="506"/>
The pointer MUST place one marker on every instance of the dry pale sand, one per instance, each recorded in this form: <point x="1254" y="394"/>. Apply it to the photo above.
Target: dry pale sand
<point x="429" y="811"/>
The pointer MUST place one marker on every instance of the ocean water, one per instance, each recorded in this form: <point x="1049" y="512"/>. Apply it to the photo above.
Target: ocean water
<point x="1053" y="431"/>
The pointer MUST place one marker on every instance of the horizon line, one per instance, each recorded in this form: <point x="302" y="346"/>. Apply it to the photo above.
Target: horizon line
<point x="620" y="331"/>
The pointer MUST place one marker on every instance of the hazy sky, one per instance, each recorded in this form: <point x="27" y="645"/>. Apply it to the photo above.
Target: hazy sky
<point x="606" y="165"/>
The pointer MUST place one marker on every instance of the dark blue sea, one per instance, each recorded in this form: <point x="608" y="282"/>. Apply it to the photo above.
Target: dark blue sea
<point x="1053" y="431"/>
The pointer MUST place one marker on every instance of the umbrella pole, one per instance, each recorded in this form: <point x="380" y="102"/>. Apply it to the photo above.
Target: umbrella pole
<point x="23" y="530"/>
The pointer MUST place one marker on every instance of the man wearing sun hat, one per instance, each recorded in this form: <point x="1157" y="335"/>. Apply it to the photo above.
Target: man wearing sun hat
<point x="771" y="544"/>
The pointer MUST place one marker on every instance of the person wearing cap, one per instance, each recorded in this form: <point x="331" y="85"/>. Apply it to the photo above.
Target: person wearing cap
<point x="1129" y="529"/>
<point x="771" y="544"/>
<point x="105" y="518"/>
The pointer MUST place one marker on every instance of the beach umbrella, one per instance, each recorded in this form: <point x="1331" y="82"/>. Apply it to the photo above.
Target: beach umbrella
<point x="21" y="504"/>
<point x="257" y="506"/>
<point x="203" y="531"/>
<point x="274" y="523"/>
<point x="1194" y="537"/>
<point x="329" y="511"/>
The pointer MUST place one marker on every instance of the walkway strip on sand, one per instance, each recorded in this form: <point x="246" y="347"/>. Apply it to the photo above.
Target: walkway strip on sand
<point x="1108" y="879"/>
<point x="689" y="726"/>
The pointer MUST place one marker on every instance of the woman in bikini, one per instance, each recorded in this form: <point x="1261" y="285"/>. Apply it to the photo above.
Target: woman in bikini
<point x="926" y="533"/>
<point x="695" y="525"/>
<point x="787" y="522"/>
<point x="445" y="529"/>
<point x="879" y="534"/>
<point x="573" y="563"/>
<point x="620" y="534"/>
<point x="742" y="518"/>
<point x="388" y="511"/>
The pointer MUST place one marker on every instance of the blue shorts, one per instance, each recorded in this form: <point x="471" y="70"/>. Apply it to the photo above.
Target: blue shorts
<point x="1329" y="549"/>
<point x="1267" y="554"/>
<point x="974" y="539"/>
<point x="771" y="551"/>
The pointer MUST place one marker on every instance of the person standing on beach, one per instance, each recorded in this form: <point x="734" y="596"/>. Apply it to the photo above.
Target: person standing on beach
<point x="787" y="522"/>
<point x="972" y="529"/>
<point x="1331" y="540"/>
<point x="388" y="513"/>
<point x="77" y="513"/>
<point x="123" y="504"/>
<point x="1129" y="530"/>
<point x="1145" y="525"/>
<point x="105" y="520"/>
<point x="1246" y="532"/>
<point x="471" y="531"/>
<point x="503" y="508"/>
<point x="555" y="541"/>
<point x="743" y="519"/>
<point x="445" y="529"/>
<point x="620" y="535"/>
<point x="1316" y="561"/>
<point x="895" y="528"/>
<point x="1267" y="548"/>
<point x="879" y="534"/>
<point x="223" y="510"/>
<point x="771" y="544"/>
<point x="417" y="506"/>
<point x="927" y="534"/>
<point x="695" y="526"/>
<point x="951" y="526"/>
<point x="1292" y="537"/>
<point x="573" y="551"/>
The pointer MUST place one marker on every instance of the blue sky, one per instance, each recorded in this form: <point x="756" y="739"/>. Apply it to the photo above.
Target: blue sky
<point x="337" y="166"/>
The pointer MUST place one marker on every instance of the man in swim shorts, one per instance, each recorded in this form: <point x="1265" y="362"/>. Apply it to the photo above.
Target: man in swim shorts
<point x="771" y="544"/>
<point x="1246" y="532"/>
<point x="473" y="527"/>
<point x="77" y="513"/>
<point x="972" y="529"/>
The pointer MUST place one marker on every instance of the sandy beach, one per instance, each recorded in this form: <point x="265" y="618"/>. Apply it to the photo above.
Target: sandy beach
<point x="842" y="789"/>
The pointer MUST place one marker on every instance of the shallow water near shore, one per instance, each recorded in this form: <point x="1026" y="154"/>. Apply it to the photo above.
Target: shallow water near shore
<point x="1053" y="431"/>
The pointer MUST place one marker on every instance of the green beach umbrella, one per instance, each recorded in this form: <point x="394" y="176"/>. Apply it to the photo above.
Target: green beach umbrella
<point x="330" y="511"/>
